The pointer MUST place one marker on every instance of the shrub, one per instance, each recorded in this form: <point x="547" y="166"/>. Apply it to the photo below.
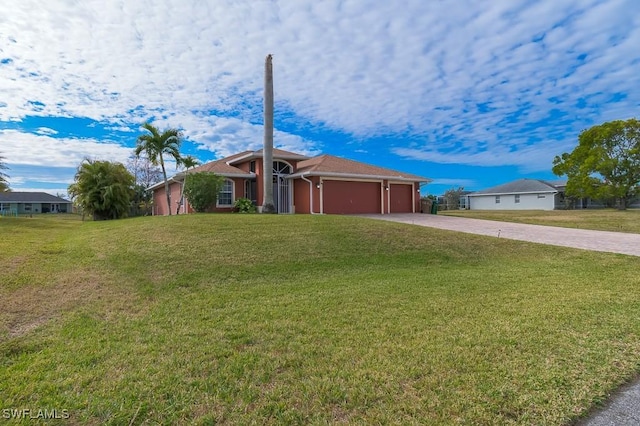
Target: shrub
<point x="202" y="190"/>
<point x="244" y="205"/>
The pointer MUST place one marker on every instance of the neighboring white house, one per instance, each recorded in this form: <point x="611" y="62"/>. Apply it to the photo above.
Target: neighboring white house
<point x="522" y="194"/>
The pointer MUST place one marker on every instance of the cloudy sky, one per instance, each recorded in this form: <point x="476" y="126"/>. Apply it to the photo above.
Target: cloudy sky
<point x="467" y="93"/>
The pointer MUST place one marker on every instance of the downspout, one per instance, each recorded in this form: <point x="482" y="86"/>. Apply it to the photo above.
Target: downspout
<point x="310" y="193"/>
<point x="413" y="197"/>
<point x="321" y="195"/>
<point x="388" y="189"/>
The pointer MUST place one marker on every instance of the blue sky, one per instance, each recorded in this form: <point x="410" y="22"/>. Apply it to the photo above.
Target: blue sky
<point x="467" y="93"/>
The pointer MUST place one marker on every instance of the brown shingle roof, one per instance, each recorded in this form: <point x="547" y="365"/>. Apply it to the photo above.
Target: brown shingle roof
<point x="222" y="167"/>
<point x="322" y="165"/>
<point x="331" y="165"/>
<point x="30" y="197"/>
<point x="277" y="154"/>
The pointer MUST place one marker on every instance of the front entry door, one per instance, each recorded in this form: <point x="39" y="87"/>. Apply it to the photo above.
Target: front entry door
<point x="281" y="194"/>
<point x="281" y="187"/>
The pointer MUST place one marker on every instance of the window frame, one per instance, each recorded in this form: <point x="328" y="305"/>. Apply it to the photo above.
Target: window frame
<point x="231" y="193"/>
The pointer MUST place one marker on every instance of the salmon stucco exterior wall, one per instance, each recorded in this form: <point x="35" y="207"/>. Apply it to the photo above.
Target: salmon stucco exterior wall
<point x="160" y="199"/>
<point x="324" y="184"/>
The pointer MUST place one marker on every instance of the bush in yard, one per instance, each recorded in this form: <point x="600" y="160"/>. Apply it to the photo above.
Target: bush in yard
<point x="102" y="189"/>
<point x="244" y="205"/>
<point x="201" y="190"/>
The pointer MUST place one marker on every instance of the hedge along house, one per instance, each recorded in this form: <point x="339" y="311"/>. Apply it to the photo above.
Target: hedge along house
<point x="318" y="185"/>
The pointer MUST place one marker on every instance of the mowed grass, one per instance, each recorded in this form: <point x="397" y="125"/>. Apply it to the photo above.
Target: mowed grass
<point x="596" y="219"/>
<point x="261" y="319"/>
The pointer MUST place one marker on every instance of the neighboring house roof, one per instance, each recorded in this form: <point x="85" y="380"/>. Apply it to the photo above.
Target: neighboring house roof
<point x="30" y="197"/>
<point x="329" y="165"/>
<point x="520" y="186"/>
<point x="557" y="183"/>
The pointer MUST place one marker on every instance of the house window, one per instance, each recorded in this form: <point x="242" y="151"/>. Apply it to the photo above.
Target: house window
<point x="497" y="199"/>
<point x="27" y="207"/>
<point x="252" y="167"/>
<point x="225" y="196"/>
<point x="281" y="168"/>
<point x="517" y="196"/>
<point x="542" y="196"/>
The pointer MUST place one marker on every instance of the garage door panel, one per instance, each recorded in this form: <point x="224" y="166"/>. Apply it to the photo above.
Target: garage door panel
<point x="346" y="197"/>
<point x="401" y="198"/>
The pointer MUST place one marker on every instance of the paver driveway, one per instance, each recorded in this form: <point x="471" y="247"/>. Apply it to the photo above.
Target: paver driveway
<point x="614" y="242"/>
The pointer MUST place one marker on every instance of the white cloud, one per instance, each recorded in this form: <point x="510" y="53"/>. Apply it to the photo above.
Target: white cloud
<point x="45" y="131"/>
<point x="463" y="74"/>
<point x="40" y="150"/>
<point x="226" y="136"/>
<point x="453" y="182"/>
<point x="529" y="158"/>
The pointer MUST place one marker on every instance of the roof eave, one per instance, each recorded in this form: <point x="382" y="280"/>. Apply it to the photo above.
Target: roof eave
<point x="360" y="176"/>
<point x="258" y="154"/>
<point x="238" y="175"/>
<point x="512" y="193"/>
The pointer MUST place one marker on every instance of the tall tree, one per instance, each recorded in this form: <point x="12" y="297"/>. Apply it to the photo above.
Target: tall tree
<point x="267" y="151"/>
<point x="452" y="198"/>
<point x="145" y="172"/>
<point x="187" y="162"/>
<point x="103" y="189"/>
<point x="605" y="164"/>
<point x="156" y="145"/>
<point x="4" y="185"/>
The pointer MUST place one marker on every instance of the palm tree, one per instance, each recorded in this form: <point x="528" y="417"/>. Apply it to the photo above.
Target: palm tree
<point x="155" y="145"/>
<point x="188" y="162"/>
<point x="4" y="185"/>
<point x="267" y="151"/>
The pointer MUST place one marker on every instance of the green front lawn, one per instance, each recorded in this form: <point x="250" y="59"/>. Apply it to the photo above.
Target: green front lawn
<point x="597" y="219"/>
<point x="243" y="319"/>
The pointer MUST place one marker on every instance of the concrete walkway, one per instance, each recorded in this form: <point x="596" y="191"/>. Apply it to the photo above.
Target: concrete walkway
<point x="614" y="242"/>
<point x="623" y="409"/>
